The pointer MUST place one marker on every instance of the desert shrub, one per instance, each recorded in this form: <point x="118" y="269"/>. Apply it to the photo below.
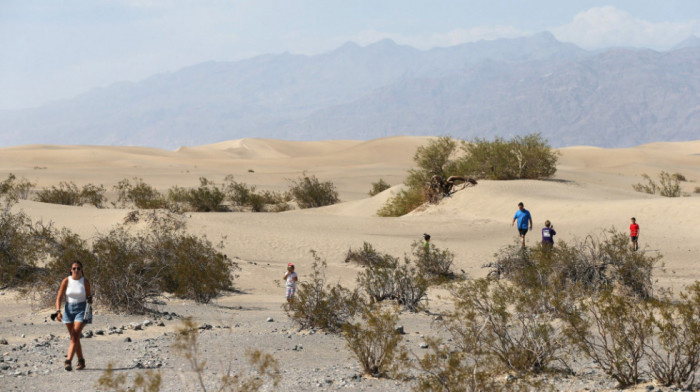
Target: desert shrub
<point x="191" y="267"/>
<point x="122" y="278"/>
<point x="378" y="187"/>
<point x="244" y="195"/>
<point x="674" y="353"/>
<point x="697" y="189"/>
<point x="509" y="324"/>
<point x="591" y="265"/>
<point x="668" y="185"/>
<point x="612" y="330"/>
<point x="368" y="256"/>
<point x="19" y="249"/>
<point x="679" y="177"/>
<point x="207" y="197"/>
<point x="14" y="189"/>
<point x="142" y="195"/>
<point x="435" y="263"/>
<point x="309" y="192"/>
<point x="650" y="187"/>
<point x="404" y="202"/>
<point x="385" y="277"/>
<point x="93" y="194"/>
<point x="61" y="247"/>
<point x="321" y="305"/>
<point x="67" y="193"/>
<point x="148" y="381"/>
<point x="442" y="369"/>
<point x="522" y="157"/>
<point x="374" y="340"/>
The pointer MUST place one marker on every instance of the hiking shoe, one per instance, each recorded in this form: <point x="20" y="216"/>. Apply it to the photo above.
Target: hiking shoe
<point x="67" y="365"/>
<point x="81" y="364"/>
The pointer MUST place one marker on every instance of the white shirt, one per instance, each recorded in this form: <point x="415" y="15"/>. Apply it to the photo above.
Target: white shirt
<point x="75" y="292"/>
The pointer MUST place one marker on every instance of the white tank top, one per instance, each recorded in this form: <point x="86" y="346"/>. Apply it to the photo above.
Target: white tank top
<point x="75" y="292"/>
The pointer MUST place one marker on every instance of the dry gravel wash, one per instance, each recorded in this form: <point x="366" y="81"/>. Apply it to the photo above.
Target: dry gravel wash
<point x="32" y="358"/>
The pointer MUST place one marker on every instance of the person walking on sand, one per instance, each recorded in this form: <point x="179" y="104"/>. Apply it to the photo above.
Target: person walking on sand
<point x="524" y="219"/>
<point x="291" y="277"/>
<point x="76" y="290"/>
<point x="426" y="243"/>
<point x="634" y="233"/>
<point x="548" y="234"/>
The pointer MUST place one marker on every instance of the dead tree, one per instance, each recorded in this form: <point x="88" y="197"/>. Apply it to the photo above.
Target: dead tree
<point x="438" y="187"/>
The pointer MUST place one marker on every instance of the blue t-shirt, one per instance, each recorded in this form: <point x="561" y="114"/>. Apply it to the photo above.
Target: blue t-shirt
<point x="523" y="216"/>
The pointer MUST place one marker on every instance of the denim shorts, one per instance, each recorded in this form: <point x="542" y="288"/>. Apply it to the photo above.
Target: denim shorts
<point x="74" y="312"/>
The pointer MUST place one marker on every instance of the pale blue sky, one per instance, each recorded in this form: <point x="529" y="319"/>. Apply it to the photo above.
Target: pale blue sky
<point x="56" y="49"/>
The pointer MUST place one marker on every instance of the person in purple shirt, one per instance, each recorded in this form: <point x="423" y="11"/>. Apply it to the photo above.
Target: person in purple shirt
<point x="548" y="234"/>
<point x="524" y="219"/>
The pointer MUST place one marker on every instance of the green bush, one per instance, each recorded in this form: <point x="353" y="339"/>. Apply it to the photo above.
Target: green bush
<point x="19" y="249"/>
<point x="379" y="187"/>
<point x="404" y="202"/>
<point x="437" y="158"/>
<point x="309" y="192"/>
<point x="321" y="305"/>
<point x="679" y="177"/>
<point x="191" y="267"/>
<point x="142" y="195"/>
<point x="374" y="340"/>
<point x="13" y="189"/>
<point x="244" y="195"/>
<point x="208" y="197"/>
<point x="93" y="194"/>
<point x="67" y="193"/>
<point x="522" y="157"/>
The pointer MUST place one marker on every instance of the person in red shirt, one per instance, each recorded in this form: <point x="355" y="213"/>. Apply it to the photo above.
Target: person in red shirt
<point x="634" y="233"/>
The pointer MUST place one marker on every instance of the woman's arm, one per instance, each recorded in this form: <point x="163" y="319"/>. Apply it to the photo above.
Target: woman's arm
<point x="61" y="293"/>
<point x="88" y="291"/>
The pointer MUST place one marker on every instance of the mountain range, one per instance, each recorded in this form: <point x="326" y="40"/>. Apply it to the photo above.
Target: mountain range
<point x="613" y="98"/>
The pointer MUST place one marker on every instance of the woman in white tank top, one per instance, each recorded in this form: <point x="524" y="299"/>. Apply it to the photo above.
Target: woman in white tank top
<point x="76" y="290"/>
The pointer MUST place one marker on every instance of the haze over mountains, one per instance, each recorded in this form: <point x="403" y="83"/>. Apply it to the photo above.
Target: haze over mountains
<point x="612" y="98"/>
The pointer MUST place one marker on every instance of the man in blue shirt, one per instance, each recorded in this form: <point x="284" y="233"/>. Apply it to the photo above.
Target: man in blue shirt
<point x="524" y="222"/>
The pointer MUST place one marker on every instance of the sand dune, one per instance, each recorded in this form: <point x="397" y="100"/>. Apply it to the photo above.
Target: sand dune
<point x="591" y="193"/>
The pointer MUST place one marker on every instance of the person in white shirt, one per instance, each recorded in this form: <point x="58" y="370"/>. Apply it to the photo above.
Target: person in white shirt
<point x="291" y="277"/>
<point x="76" y="290"/>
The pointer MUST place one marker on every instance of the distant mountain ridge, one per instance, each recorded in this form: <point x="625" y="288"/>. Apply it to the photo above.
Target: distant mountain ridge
<point x="505" y="87"/>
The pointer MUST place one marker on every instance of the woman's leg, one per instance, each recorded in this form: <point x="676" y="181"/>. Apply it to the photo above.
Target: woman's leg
<point x="75" y="339"/>
<point x="71" y="346"/>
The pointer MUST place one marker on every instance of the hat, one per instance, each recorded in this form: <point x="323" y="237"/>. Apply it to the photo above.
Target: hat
<point x="290" y="264"/>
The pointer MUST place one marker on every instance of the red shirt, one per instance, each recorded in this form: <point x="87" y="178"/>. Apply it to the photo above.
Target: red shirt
<point x="634" y="230"/>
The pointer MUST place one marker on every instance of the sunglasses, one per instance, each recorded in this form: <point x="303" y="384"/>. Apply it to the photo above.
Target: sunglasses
<point x="76" y="268"/>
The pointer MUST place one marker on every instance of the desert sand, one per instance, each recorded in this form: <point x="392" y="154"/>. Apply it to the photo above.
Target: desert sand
<point x="591" y="192"/>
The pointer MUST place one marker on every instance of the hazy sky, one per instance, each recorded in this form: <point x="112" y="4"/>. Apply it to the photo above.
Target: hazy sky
<point x="54" y="49"/>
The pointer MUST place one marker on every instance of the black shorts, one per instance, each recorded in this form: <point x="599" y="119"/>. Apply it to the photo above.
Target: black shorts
<point x="634" y="238"/>
<point x="522" y="231"/>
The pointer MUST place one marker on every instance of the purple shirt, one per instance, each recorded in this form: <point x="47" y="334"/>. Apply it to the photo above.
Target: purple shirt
<point x="548" y="234"/>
